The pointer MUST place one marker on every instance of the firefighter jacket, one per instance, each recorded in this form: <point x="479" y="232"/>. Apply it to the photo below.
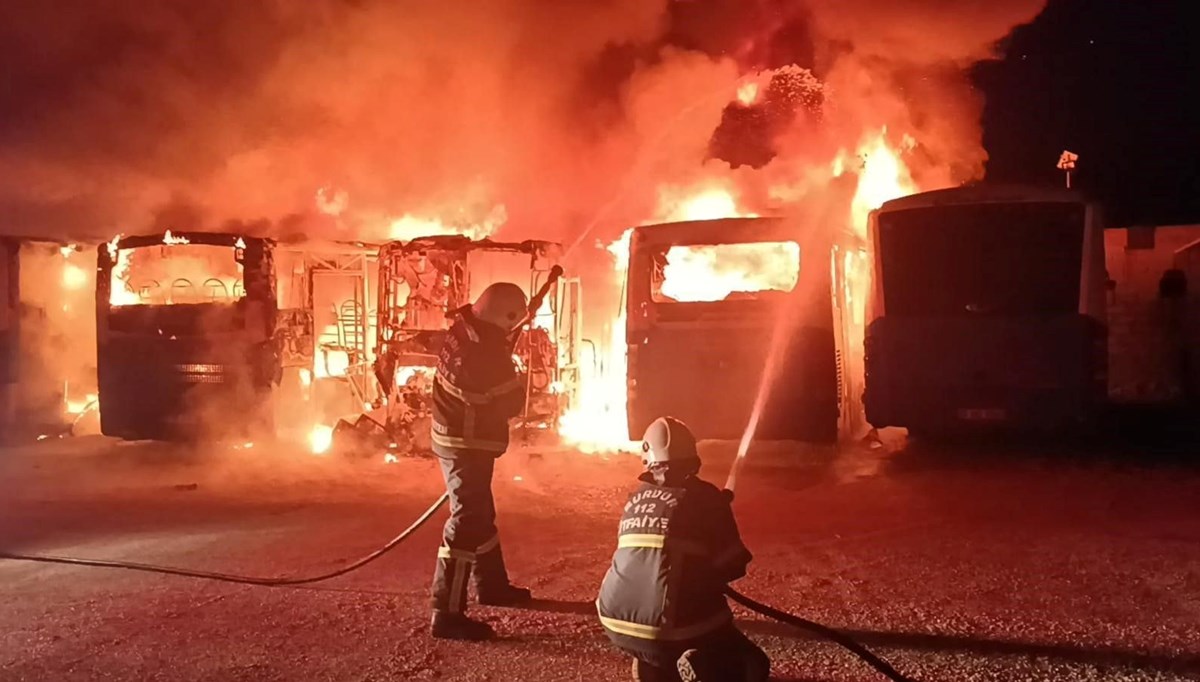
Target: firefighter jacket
<point x="476" y="388"/>
<point x="677" y="548"/>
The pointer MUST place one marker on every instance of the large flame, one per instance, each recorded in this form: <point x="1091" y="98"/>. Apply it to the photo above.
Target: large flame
<point x="597" y="422"/>
<point x="882" y="176"/>
<point x="713" y="273"/>
<point x="410" y="226"/>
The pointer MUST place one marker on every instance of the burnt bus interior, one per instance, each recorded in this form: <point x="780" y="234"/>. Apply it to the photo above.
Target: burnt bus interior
<point x="423" y="280"/>
<point x="697" y="346"/>
<point x="325" y="331"/>
<point x="184" y="332"/>
<point x="990" y="312"/>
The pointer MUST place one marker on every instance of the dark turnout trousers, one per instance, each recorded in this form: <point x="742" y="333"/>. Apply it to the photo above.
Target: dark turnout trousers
<point x="470" y="543"/>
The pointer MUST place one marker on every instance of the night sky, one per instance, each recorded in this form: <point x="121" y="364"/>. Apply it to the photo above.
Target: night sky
<point x="1114" y="81"/>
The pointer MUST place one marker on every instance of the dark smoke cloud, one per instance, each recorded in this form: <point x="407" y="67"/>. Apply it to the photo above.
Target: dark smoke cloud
<point x="126" y="116"/>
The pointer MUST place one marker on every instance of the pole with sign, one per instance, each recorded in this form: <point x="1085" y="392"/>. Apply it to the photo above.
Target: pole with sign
<point x="1066" y="163"/>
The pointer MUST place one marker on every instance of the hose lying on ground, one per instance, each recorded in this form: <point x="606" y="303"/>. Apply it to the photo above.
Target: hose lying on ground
<point x="239" y="579"/>
<point x="768" y="611"/>
<point x="828" y="633"/>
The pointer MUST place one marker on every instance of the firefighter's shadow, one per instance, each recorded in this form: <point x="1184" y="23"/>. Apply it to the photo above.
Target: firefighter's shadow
<point x="1101" y="657"/>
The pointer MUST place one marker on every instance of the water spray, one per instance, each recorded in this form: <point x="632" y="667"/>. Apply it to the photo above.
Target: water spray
<point x="774" y="351"/>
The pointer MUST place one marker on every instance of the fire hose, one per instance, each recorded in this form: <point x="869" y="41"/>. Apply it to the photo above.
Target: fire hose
<point x="848" y="643"/>
<point x="281" y="581"/>
<point x="286" y="581"/>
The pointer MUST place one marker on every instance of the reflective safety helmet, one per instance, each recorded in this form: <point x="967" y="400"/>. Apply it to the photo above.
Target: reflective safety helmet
<point x="502" y="304"/>
<point x="669" y="441"/>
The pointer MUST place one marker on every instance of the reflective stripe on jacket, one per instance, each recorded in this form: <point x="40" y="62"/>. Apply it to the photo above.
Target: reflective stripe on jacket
<point x="476" y="388"/>
<point x="677" y="547"/>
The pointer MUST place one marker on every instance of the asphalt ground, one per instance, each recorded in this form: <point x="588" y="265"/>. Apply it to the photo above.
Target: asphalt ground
<point x="953" y="563"/>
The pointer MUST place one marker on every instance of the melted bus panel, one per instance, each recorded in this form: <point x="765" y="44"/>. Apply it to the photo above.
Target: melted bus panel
<point x="703" y="299"/>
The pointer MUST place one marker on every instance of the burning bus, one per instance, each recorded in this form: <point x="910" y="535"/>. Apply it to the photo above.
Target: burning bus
<point x="703" y="299"/>
<point x="988" y="311"/>
<point x="422" y="280"/>
<point x="185" y="335"/>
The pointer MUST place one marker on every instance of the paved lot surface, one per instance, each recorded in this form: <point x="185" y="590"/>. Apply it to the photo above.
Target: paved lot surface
<point x="954" y="565"/>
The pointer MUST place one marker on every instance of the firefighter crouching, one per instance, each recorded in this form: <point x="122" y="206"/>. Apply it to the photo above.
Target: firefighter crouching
<point x="678" y="546"/>
<point x="476" y="391"/>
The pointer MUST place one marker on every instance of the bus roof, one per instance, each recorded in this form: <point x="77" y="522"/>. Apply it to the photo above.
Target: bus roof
<point x="458" y="242"/>
<point x="715" y="231"/>
<point x="984" y="193"/>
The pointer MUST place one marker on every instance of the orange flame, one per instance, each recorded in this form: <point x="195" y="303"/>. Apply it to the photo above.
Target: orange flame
<point x="882" y="176"/>
<point x="709" y="203"/>
<point x="320" y="439"/>
<point x="597" y="423"/>
<point x="410" y="226"/>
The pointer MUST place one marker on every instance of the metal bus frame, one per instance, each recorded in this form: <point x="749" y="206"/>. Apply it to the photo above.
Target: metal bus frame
<point x="408" y="337"/>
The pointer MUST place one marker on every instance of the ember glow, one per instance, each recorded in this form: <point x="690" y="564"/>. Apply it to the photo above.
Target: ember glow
<point x="74" y="277"/>
<point x="320" y="439"/>
<point x="80" y="406"/>
<point x="747" y="93"/>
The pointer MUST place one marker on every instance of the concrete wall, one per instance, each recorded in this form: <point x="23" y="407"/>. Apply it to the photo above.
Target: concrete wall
<point x="1154" y="342"/>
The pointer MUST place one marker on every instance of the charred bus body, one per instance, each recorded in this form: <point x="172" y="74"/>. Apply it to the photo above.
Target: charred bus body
<point x="697" y="350"/>
<point x="423" y="280"/>
<point x="184" y="330"/>
<point x="987" y="311"/>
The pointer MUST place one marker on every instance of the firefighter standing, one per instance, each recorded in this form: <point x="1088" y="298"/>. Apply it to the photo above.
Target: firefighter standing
<point x="476" y="391"/>
<point x="678" y="546"/>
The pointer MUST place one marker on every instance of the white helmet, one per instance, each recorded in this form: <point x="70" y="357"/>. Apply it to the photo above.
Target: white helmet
<point x="669" y="440"/>
<point x="502" y="304"/>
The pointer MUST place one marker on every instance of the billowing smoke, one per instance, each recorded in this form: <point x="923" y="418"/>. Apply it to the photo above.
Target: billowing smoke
<point x="342" y="116"/>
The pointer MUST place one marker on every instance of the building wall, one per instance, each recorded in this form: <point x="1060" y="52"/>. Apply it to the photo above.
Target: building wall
<point x="1154" y="342"/>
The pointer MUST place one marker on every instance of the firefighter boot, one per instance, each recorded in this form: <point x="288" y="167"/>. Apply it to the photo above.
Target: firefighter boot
<point x="450" y="580"/>
<point x="491" y="579"/>
<point x="725" y="663"/>
<point x="448" y="625"/>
